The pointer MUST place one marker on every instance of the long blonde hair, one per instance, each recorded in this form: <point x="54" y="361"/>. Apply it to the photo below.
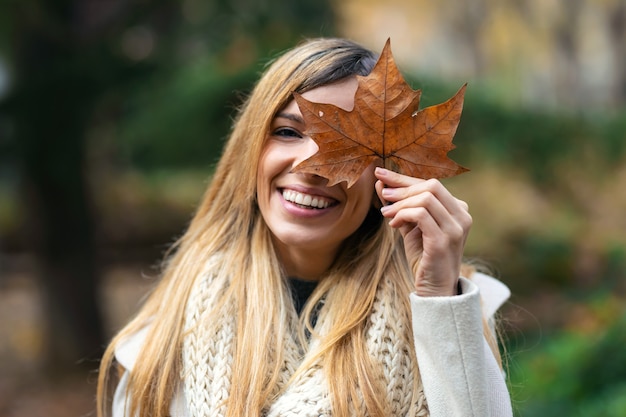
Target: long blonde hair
<point x="228" y="223"/>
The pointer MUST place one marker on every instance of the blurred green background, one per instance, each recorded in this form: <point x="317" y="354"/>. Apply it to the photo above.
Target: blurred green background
<point x="113" y="112"/>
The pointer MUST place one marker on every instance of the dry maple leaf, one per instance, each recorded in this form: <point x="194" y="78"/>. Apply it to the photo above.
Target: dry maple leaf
<point x="385" y="127"/>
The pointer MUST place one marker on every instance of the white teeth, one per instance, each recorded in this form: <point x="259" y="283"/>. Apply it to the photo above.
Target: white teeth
<point x="305" y="199"/>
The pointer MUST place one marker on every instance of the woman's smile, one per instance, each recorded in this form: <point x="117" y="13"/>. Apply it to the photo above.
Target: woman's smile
<point x="307" y="201"/>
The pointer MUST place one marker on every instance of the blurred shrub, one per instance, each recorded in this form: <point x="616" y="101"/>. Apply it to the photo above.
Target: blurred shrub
<point x="575" y="373"/>
<point x="547" y="259"/>
<point x="182" y="119"/>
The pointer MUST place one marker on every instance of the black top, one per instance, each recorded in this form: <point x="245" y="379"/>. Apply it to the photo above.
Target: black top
<point x="301" y="290"/>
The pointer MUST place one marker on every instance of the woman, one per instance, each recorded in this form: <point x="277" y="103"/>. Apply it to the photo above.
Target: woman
<point x="286" y="297"/>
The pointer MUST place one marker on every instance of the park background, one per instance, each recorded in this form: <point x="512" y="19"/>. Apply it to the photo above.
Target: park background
<point x="113" y="112"/>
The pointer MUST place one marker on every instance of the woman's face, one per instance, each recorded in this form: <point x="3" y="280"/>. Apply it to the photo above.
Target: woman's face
<point x="308" y="219"/>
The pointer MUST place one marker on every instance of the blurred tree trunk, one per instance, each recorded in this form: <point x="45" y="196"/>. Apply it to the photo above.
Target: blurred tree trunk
<point x="471" y="24"/>
<point x="567" y="49"/>
<point x="617" y="30"/>
<point x="51" y="106"/>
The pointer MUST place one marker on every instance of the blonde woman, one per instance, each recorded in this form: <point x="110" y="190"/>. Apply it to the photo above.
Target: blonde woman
<point x="286" y="297"/>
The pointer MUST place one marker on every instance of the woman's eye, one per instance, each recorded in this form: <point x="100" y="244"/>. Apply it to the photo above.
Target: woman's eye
<point x="287" y="132"/>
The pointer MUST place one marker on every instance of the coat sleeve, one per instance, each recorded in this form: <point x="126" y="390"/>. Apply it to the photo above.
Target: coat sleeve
<point x="460" y="374"/>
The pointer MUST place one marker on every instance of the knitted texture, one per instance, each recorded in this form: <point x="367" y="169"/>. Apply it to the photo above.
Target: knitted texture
<point x="207" y="359"/>
<point x="208" y="355"/>
<point x="386" y="344"/>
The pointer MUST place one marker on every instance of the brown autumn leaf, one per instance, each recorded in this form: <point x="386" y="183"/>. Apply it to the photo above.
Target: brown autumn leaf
<point x="385" y="127"/>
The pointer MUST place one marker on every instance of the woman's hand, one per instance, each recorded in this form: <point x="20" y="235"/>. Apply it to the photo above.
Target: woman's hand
<point x="434" y="225"/>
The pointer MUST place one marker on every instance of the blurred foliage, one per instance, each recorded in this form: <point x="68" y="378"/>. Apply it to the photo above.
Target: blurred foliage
<point x="128" y="77"/>
<point x="215" y="58"/>
<point x="148" y="71"/>
<point x="195" y="106"/>
<point x="577" y="372"/>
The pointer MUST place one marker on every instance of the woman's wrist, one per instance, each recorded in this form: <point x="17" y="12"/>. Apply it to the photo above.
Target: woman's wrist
<point x="433" y="291"/>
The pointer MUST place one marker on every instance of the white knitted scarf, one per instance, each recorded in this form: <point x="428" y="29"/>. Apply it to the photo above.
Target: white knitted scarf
<point x="207" y="360"/>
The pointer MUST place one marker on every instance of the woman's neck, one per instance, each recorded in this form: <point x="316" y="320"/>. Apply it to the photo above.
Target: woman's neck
<point x="305" y="263"/>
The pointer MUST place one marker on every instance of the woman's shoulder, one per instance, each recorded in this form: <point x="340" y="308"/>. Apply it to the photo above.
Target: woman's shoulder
<point x="128" y="349"/>
<point x="493" y="292"/>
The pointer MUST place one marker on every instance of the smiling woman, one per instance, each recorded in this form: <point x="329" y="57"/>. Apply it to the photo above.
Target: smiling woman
<point x="290" y="297"/>
<point x="301" y="230"/>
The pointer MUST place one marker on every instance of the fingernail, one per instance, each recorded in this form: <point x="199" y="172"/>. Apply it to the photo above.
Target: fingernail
<point x="384" y="209"/>
<point x="381" y="171"/>
<point x="387" y="192"/>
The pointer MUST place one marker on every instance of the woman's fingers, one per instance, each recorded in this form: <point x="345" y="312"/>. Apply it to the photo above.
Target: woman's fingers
<point x="447" y="210"/>
<point x="403" y="208"/>
<point x="394" y="179"/>
<point x="433" y="223"/>
<point x="396" y="187"/>
<point x="410" y="200"/>
<point x="379" y="185"/>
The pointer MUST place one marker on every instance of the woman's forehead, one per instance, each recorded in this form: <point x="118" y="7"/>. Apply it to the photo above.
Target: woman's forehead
<point x="340" y="94"/>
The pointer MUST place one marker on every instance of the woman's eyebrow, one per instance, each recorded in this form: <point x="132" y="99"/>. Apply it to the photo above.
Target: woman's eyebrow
<point x="291" y="116"/>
